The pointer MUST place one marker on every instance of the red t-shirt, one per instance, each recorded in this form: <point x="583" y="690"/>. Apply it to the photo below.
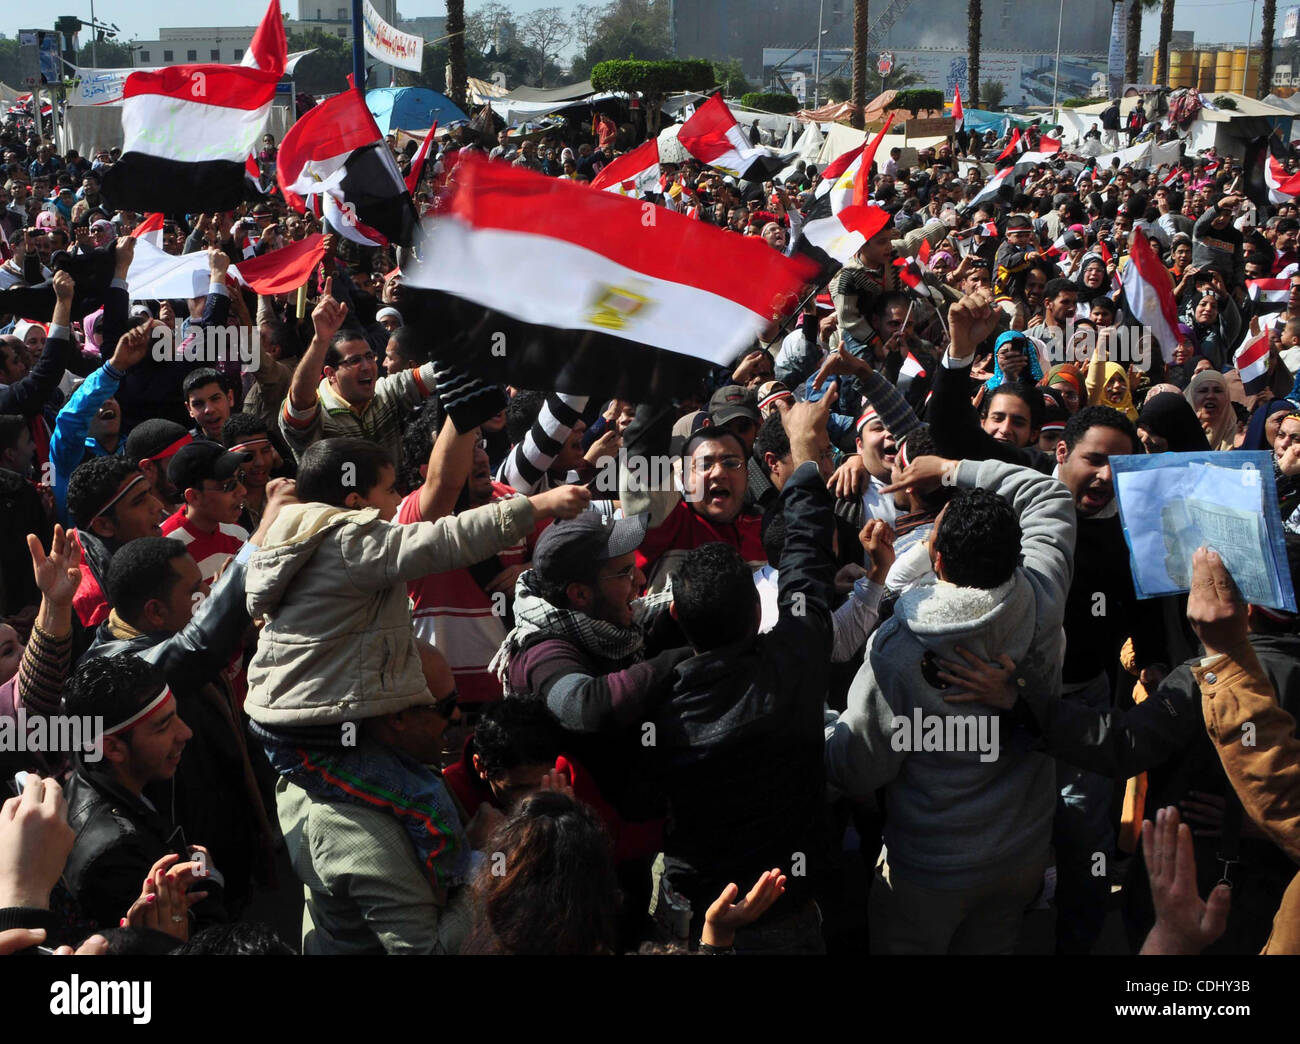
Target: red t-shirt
<point x="452" y="612"/>
<point x="210" y="550"/>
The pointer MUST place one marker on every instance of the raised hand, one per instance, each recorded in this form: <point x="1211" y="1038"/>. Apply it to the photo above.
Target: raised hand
<point x="132" y="347"/>
<point x="877" y="540"/>
<point x="726" y="914"/>
<point x="561" y="502"/>
<point x="58" y="574"/>
<point x="328" y="315"/>
<point x="64" y="287"/>
<point x="1184" y="924"/>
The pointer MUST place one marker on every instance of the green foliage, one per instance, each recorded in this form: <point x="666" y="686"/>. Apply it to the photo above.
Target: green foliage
<point x="770" y="101"/>
<point x="1074" y="103"/>
<point x="1224" y="102"/>
<point x="836" y="88"/>
<point x="326" y="71"/>
<point x="659" y="77"/>
<point x="991" y="94"/>
<point x="918" y="100"/>
<point x="731" y="75"/>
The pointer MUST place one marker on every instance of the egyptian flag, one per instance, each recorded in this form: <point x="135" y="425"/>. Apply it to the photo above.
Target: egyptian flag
<point x="1048" y="145"/>
<point x="714" y="137"/>
<point x="187" y="130"/>
<point x="1251" y="360"/>
<point x="840" y="220"/>
<point x="1006" y="176"/>
<point x="417" y="162"/>
<point x="1064" y="243"/>
<point x="542" y="283"/>
<point x="1149" y="292"/>
<point x="267" y="50"/>
<point x="633" y="174"/>
<point x="958" y="112"/>
<point x="1174" y="175"/>
<point x="335" y="151"/>
<point x="150" y="230"/>
<point x="1014" y="147"/>
<point x="1269" y="295"/>
<point x="253" y="173"/>
<point x="279" y="271"/>
<point x="1282" y="187"/>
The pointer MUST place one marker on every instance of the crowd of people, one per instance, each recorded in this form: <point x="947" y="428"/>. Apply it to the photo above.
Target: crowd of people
<point x="351" y="614"/>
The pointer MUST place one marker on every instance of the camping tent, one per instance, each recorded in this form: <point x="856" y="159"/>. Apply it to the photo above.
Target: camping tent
<point x="410" y="108"/>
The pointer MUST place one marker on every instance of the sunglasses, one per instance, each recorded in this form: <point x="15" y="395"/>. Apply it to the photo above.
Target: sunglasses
<point x="229" y="486"/>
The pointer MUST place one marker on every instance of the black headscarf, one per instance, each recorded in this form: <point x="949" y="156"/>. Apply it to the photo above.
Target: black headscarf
<point x="1172" y="418"/>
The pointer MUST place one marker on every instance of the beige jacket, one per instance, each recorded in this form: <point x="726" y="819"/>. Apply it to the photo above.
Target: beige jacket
<point x="1262" y="763"/>
<point x="330" y="583"/>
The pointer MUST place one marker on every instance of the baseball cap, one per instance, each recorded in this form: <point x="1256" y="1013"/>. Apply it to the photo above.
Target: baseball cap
<point x="1016" y="221"/>
<point x="684" y="429"/>
<point x="204" y="460"/>
<point x="567" y="547"/>
<point x="732" y="401"/>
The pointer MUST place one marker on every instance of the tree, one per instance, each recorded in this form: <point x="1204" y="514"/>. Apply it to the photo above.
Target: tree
<point x="994" y="93"/>
<point x="838" y="89"/>
<point x="490" y="24"/>
<point x="974" y="14"/>
<point x="1133" y="37"/>
<point x="860" y="13"/>
<point x="1266" y="50"/>
<point x="106" y="54"/>
<point x="585" y="21"/>
<point x="652" y="80"/>
<point x="1166" y="32"/>
<point x="731" y="75"/>
<point x="456" y="43"/>
<point x="326" y="71"/>
<point x="547" y="32"/>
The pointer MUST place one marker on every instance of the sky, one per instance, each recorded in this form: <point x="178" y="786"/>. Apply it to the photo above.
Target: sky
<point x="1213" y="21"/>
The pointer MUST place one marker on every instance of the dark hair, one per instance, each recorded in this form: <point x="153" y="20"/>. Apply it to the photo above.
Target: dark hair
<point x="919" y="442"/>
<point x="771" y="438"/>
<point x="516" y="732"/>
<point x="240" y="939"/>
<point x="1288" y="225"/>
<point x="714" y="593"/>
<point x="93" y="484"/>
<point x="198" y="378"/>
<point x="276" y="332"/>
<point x="324" y="464"/>
<point x="772" y="534"/>
<point x="11" y="426"/>
<point x="111" y="687"/>
<point x="241" y="425"/>
<point x="421" y="428"/>
<point x="408" y="343"/>
<point x="558" y="894"/>
<point x="1026" y="393"/>
<point x="332" y="354"/>
<point x="139" y="571"/>
<point x="522" y="412"/>
<point x="130" y="941"/>
<point x="979" y="539"/>
<point x="1059" y="286"/>
<point x="1098" y="416"/>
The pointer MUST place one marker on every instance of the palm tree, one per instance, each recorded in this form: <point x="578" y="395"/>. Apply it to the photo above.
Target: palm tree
<point x="859" y="63"/>
<point x="1166" y="31"/>
<point x="456" y="50"/>
<point x="974" y="13"/>
<point x="1133" y="36"/>
<point x="1266" y="51"/>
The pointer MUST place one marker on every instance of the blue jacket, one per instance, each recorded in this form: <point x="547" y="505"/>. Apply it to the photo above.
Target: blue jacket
<point x="71" y="442"/>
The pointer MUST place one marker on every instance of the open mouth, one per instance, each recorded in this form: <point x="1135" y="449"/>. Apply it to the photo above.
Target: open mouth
<point x="1096" y="497"/>
<point x="108" y="414"/>
<point x="718" y="496"/>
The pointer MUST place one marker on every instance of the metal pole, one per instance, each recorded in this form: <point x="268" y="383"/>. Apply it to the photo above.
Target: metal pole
<point x="358" y="48"/>
<point x="94" y="55"/>
<point x="817" y="74"/>
<point x="1249" y="33"/>
<point x="1056" y="77"/>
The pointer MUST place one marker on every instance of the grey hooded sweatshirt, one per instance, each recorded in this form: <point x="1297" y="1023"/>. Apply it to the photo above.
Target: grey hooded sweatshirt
<point x="959" y="818"/>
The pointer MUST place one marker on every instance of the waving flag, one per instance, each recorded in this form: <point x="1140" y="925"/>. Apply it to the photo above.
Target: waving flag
<point x="840" y="220"/>
<point x="714" y="137"/>
<point x="1150" y="293"/>
<point x="582" y="294"/>
<point x="417" y="163"/>
<point x="1269" y="295"/>
<point x="267" y="49"/>
<point x="1013" y="147"/>
<point x="1251" y="360"/>
<point x="150" y="230"/>
<point x="1048" y="145"/>
<point x="1282" y="187"/>
<point x="1006" y="176"/>
<point x="633" y="174"/>
<point x="279" y="271"/>
<point x="336" y="151"/>
<point x="958" y="112"/>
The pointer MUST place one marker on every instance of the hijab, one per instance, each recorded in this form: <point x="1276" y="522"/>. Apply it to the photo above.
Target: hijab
<point x="1171" y="417"/>
<point x="1067" y="373"/>
<point x="1225" y="430"/>
<point x="1255" y="433"/>
<point x="1087" y="293"/>
<point x="1125" y="405"/>
<point x="1030" y="348"/>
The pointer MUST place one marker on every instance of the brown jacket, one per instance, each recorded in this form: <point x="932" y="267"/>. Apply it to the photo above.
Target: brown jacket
<point x="1262" y="764"/>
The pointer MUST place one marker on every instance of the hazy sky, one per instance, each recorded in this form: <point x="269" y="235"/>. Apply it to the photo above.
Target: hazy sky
<point x="1212" y="20"/>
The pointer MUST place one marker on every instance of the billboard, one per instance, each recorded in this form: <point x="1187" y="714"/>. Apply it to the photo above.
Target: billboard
<point x="1291" y="23"/>
<point x="1027" y="79"/>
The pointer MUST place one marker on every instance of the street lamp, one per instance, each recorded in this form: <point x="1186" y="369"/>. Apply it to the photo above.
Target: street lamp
<point x="1056" y="76"/>
<point x="1249" y="33"/>
<point x="817" y="73"/>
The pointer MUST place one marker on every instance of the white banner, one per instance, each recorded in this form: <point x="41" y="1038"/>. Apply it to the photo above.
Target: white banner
<point x="390" y="45"/>
<point x="100" y="86"/>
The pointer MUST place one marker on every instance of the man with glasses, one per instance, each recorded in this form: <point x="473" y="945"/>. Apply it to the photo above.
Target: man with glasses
<point x="208" y="476"/>
<point x="351" y="399"/>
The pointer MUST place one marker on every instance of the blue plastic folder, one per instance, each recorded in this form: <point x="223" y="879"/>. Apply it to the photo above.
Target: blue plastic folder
<point x="1173" y="503"/>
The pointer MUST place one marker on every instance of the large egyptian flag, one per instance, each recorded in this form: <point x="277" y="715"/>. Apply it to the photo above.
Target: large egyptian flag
<point x="958" y="110"/>
<point x="1006" y="176"/>
<point x="336" y="152"/>
<point x="1149" y="293"/>
<point x="633" y="174"/>
<point x="1251" y="360"/>
<point x="541" y="283"/>
<point x="188" y="129"/>
<point x="714" y="137"/>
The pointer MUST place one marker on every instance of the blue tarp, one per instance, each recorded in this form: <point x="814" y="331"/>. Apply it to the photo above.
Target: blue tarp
<point x="411" y="108"/>
<point x="977" y="121"/>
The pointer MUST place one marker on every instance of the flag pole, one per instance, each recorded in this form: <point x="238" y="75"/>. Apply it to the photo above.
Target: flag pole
<point x="358" y="49"/>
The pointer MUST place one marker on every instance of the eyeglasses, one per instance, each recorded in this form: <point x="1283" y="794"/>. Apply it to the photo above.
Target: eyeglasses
<point x="229" y="486"/>
<point x="356" y="360"/>
<point x="622" y="574"/>
<point x="704" y="465"/>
